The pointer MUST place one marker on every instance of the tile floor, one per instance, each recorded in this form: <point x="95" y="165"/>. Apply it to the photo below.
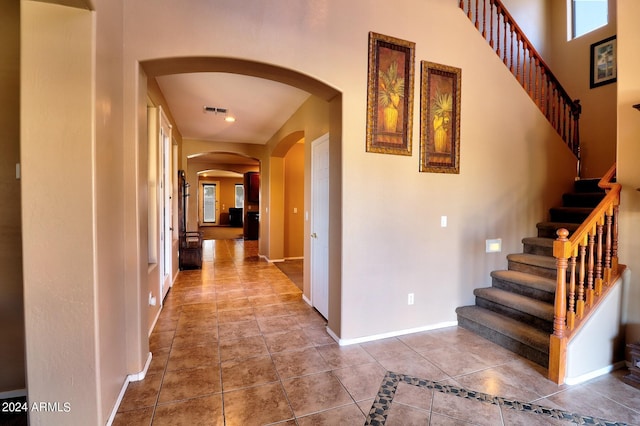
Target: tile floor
<point x="236" y="345"/>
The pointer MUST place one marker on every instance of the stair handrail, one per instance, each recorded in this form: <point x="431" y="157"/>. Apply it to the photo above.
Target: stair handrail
<point x="589" y="259"/>
<point x="533" y="73"/>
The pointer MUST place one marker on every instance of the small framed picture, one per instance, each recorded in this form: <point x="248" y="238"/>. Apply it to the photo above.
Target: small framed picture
<point x="603" y="62"/>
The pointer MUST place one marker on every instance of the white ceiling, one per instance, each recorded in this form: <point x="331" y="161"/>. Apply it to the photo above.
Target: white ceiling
<point x="260" y="106"/>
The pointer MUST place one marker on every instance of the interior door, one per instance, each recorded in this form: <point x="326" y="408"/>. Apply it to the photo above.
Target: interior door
<point x="166" y="188"/>
<point x="319" y="265"/>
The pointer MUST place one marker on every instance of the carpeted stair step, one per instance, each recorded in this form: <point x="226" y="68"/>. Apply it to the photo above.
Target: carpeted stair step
<point x="582" y="199"/>
<point x="516" y="336"/>
<point x="587" y="185"/>
<point x="538" y="245"/>
<point x="530" y="311"/>
<point x="529" y="285"/>
<point x="569" y="214"/>
<point x="549" y="229"/>
<point x="543" y="266"/>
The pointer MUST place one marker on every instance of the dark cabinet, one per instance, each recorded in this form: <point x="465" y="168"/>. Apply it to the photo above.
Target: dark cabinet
<point x="235" y="217"/>
<point x="253" y="226"/>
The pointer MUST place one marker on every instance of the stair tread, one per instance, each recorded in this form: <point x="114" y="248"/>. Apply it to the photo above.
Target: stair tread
<point x="557" y="225"/>
<point x="529" y="280"/>
<point x="509" y="327"/>
<point x="538" y="241"/>
<point x="547" y="262"/>
<point x="581" y="210"/>
<point x="518" y="302"/>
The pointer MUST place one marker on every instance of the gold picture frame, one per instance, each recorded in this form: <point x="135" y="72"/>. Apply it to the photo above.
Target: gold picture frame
<point x="390" y="94"/>
<point x="440" y="118"/>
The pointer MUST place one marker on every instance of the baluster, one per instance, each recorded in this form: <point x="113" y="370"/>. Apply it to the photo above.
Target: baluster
<point x="531" y="66"/>
<point x="484" y="19"/>
<point x="599" y="232"/>
<point x="505" y="51"/>
<point x="535" y="82"/>
<point x="513" y="68"/>
<point x="607" y="250"/>
<point x="518" y="66"/>
<point x="498" y="14"/>
<point x="491" y="24"/>
<point x="592" y="241"/>
<point x="477" y="19"/>
<point x="614" y="245"/>
<point x="469" y="14"/>
<point x="543" y="89"/>
<point x="571" y="313"/>
<point x="580" y="304"/>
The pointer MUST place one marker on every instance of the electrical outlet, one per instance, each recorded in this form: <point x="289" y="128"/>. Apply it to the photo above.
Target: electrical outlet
<point x="443" y="221"/>
<point x="410" y="299"/>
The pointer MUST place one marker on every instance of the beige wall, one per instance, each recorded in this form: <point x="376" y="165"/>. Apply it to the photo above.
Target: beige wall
<point x="509" y="154"/>
<point x="294" y="202"/>
<point x="510" y="157"/>
<point x="570" y="62"/>
<point x="12" y="373"/>
<point x="628" y="122"/>
<point x="60" y="270"/>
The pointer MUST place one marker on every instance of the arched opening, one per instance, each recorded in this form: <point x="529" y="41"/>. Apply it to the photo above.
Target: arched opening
<point x="271" y="155"/>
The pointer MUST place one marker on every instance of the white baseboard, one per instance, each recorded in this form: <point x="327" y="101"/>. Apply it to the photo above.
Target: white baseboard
<point x="306" y="299"/>
<point x="294" y="258"/>
<point x="571" y="381"/>
<point x="347" y="342"/>
<point x="155" y="320"/>
<point x="17" y="393"/>
<point x="130" y="378"/>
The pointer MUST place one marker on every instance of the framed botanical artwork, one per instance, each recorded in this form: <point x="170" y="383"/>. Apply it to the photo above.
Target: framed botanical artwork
<point x="440" y="118"/>
<point x="604" y="69"/>
<point x="390" y="95"/>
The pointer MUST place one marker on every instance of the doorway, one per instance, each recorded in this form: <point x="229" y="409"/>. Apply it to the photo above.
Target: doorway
<point x="319" y="265"/>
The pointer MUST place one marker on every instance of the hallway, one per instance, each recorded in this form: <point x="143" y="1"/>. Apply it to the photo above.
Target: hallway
<point x="235" y="344"/>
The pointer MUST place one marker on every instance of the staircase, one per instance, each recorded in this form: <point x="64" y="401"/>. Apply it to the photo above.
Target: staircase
<point x="517" y="311"/>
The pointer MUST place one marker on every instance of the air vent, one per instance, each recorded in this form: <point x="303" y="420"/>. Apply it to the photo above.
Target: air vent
<point x="215" y="110"/>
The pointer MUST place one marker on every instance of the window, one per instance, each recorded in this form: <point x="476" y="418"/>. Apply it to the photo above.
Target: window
<point x="209" y="202"/>
<point x="588" y="15"/>
<point x="239" y="195"/>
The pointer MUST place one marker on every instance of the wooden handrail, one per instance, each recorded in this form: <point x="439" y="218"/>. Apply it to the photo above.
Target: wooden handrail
<point x="589" y="260"/>
<point x="496" y="25"/>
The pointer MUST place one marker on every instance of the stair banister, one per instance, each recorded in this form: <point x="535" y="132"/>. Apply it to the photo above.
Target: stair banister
<point x="597" y="236"/>
<point x="533" y="73"/>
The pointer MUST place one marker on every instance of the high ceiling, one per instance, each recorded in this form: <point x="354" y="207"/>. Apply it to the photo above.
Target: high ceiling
<point x="260" y="107"/>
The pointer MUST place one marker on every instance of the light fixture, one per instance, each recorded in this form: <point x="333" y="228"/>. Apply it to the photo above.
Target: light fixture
<point x="216" y="110"/>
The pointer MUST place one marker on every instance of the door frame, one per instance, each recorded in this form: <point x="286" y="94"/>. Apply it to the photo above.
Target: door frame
<point x="319" y="207"/>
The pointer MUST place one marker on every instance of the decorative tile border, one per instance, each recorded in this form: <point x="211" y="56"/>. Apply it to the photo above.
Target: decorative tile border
<point x="382" y="404"/>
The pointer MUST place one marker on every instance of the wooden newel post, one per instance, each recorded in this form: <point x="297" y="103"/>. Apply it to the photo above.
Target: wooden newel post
<point x="562" y="252"/>
<point x="558" y="341"/>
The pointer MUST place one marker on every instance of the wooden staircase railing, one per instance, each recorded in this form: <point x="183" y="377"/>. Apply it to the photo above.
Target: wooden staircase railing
<point x="505" y="37"/>
<point x="589" y="261"/>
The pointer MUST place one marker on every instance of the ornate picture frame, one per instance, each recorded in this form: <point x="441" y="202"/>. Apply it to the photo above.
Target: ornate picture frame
<point x="390" y="94"/>
<point x="440" y="118"/>
<point x="604" y="69"/>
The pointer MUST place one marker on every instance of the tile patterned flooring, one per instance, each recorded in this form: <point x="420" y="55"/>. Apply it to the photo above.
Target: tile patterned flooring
<point x="236" y="345"/>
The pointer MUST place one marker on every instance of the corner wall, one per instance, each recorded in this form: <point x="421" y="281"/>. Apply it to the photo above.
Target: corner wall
<point x="570" y="62"/>
<point x="12" y="356"/>
<point x="57" y="146"/>
<point x="628" y="154"/>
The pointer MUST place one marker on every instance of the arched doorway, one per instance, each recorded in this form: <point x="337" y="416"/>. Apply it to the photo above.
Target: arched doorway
<point x="332" y="111"/>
